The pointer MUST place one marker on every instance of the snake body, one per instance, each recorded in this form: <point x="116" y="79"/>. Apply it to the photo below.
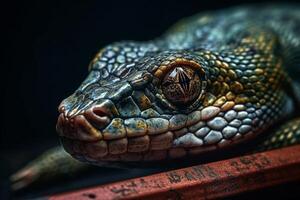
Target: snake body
<point x="214" y="80"/>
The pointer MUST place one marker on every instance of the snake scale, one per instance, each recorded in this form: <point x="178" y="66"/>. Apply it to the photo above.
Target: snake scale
<point x="214" y="80"/>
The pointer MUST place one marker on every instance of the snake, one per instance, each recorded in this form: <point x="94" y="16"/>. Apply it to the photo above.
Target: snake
<point x="213" y="81"/>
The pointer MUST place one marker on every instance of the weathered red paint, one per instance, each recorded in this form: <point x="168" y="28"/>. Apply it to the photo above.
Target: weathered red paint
<point x="216" y="179"/>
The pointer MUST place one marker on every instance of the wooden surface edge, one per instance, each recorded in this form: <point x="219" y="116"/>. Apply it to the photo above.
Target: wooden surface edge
<point x="216" y="179"/>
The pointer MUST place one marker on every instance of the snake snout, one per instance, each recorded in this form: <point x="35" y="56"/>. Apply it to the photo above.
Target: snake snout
<point x="85" y="126"/>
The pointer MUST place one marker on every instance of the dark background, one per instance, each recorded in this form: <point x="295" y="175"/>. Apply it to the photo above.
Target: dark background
<point x="47" y="48"/>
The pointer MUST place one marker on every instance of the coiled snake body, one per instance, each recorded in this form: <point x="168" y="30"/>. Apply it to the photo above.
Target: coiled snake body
<point x="212" y="81"/>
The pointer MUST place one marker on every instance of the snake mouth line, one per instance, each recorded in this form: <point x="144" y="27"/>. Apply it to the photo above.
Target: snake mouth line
<point x="125" y="150"/>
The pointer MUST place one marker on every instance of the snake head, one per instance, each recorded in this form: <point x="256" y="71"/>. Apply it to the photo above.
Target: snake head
<point x="143" y="103"/>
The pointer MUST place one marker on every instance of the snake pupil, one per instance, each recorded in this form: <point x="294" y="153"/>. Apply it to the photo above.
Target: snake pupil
<point x="181" y="86"/>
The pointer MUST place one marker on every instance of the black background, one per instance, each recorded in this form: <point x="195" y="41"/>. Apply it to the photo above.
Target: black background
<point x="47" y="48"/>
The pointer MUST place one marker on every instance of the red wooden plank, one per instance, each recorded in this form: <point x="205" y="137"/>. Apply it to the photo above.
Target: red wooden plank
<point x="212" y="180"/>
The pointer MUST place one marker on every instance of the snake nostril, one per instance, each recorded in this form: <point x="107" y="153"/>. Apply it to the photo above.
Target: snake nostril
<point x="99" y="112"/>
<point x="97" y="116"/>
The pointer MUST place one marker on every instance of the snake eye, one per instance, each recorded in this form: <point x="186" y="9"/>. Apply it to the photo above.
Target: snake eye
<point x="181" y="85"/>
